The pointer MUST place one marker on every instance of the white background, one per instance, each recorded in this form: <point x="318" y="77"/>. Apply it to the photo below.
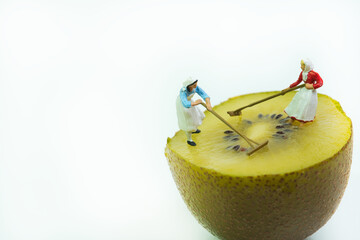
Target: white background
<point x="87" y="101"/>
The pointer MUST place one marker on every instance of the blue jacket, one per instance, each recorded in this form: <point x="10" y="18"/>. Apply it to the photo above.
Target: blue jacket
<point x="185" y="93"/>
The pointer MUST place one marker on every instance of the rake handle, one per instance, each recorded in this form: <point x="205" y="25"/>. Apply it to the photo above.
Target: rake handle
<point x="248" y="140"/>
<point x="237" y="111"/>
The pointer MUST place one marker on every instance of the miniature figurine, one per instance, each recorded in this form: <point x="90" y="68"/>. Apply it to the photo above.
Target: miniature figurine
<point x="303" y="106"/>
<point x="189" y="115"/>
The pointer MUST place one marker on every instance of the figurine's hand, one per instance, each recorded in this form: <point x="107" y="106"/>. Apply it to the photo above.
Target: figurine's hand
<point x="197" y="102"/>
<point x="208" y="106"/>
<point x="309" y="86"/>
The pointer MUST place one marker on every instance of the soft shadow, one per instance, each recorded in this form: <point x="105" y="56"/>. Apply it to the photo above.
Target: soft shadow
<point x="215" y="238"/>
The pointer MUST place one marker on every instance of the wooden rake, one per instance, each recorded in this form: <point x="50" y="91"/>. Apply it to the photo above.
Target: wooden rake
<point x="248" y="140"/>
<point x="237" y="112"/>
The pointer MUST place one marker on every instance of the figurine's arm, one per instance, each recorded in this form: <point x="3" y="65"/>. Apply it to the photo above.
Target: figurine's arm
<point x="297" y="82"/>
<point x="197" y="102"/>
<point x="201" y="92"/>
<point x="186" y="103"/>
<point x="318" y="80"/>
<point x="204" y="96"/>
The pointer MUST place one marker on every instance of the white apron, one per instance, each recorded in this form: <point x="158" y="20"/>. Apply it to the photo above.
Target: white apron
<point x="188" y="118"/>
<point x="303" y="105"/>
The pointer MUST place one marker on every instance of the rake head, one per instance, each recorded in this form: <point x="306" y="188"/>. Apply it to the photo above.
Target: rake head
<point x="234" y="113"/>
<point x="258" y="147"/>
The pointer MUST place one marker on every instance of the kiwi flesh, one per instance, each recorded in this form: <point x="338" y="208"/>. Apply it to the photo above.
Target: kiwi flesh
<point x="286" y="190"/>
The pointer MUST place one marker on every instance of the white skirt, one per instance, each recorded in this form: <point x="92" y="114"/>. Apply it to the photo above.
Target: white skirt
<point x="303" y="105"/>
<point x="188" y="118"/>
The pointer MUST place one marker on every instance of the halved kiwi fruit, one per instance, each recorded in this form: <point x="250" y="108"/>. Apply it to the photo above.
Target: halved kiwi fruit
<point x="286" y="190"/>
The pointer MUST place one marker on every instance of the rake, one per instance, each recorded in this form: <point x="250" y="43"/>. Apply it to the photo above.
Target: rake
<point x="237" y="112"/>
<point x="255" y="147"/>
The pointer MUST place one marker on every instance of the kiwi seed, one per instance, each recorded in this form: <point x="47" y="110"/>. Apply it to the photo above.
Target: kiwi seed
<point x="227" y="137"/>
<point x="278" y="116"/>
<point x="236" y="147"/>
<point x="284" y="120"/>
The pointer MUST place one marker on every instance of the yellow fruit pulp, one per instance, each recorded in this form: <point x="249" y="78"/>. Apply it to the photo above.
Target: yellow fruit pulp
<point x="306" y="146"/>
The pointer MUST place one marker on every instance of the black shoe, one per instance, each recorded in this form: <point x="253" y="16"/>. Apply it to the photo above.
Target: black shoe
<point x="197" y="131"/>
<point x="191" y="143"/>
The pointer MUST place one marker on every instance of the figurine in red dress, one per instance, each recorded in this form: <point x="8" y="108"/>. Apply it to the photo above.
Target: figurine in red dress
<point x="303" y="106"/>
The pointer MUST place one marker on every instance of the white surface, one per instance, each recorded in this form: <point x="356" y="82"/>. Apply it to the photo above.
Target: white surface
<point x="87" y="100"/>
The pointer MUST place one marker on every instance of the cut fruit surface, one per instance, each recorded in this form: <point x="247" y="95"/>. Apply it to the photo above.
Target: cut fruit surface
<point x="291" y="148"/>
<point x="286" y="190"/>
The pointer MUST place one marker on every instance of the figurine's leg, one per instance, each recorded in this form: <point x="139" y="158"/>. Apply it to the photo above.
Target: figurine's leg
<point x="197" y="131"/>
<point x="189" y="140"/>
<point x="188" y="135"/>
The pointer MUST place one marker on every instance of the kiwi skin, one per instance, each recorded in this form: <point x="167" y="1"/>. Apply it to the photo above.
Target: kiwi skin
<point x="289" y="206"/>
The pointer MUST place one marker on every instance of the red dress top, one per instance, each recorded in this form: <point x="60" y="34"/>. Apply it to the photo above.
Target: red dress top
<point x="312" y="78"/>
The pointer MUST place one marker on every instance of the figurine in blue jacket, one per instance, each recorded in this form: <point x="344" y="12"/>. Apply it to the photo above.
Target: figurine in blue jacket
<point x="188" y="113"/>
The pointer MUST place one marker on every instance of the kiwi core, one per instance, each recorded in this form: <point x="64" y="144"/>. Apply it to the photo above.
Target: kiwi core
<point x="290" y="148"/>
